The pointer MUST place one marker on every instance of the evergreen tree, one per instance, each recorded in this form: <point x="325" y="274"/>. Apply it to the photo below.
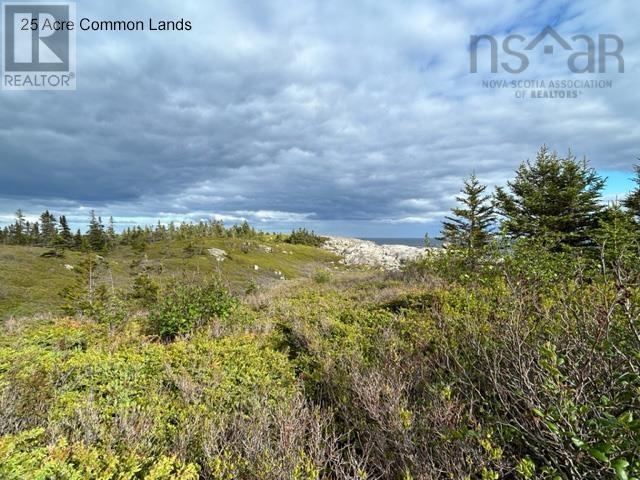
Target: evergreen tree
<point x="553" y="198"/>
<point x="632" y="202"/>
<point x="160" y="232"/>
<point x="470" y="227"/>
<point x="48" y="231"/>
<point x="33" y="234"/>
<point x="243" y="230"/>
<point x="96" y="236"/>
<point x="111" y="236"/>
<point x="78" y="240"/>
<point x="19" y="228"/>
<point x="66" y="237"/>
<point x="617" y="237"/>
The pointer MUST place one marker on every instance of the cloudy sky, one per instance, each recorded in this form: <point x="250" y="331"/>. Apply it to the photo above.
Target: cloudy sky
<point x="354" y="118"/>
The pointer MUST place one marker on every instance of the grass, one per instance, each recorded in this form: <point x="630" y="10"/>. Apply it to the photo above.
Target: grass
<point x="31" y="284"/>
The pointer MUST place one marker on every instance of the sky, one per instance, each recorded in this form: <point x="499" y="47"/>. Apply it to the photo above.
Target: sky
<point x="355" y="118"/>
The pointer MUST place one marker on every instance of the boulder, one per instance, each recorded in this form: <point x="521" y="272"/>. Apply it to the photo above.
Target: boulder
<point x="218" y="254"/>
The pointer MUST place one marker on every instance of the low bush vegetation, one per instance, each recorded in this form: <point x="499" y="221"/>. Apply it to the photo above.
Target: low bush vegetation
<point x="524" y="366"/>
<point x="506" y="355"/>
<point x="303" y="236"/>
<point x="182" y="308"/>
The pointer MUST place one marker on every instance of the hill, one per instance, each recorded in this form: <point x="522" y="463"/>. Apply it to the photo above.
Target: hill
<point x="31" y="283"/>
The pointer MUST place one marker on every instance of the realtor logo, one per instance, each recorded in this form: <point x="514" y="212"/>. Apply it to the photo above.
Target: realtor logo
<point x="587" y="54"/>
<point x="39" y="46"/>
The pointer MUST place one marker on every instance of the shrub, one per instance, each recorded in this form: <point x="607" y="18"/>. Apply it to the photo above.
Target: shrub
<point x="192" y="249"/>
<point x="543" y="342"/>
<point x="321" y="277"/>
<point x="101" y="304"/>
<point x="145" y="290"/>
<point x="183" y="308"/>
<point x="75" y="403"/>
<point x="304" y="237"/>
<point x="108" y="307"/>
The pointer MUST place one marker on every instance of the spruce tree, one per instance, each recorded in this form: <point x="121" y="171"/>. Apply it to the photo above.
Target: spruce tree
<point x="33" y="233"/>
<point x="553" y="198"/>
<point x="632" y="202"/>
<point x="19" y="229"/>
<point x="48" y="231"/>
<point x="78" y="240"/>
<point x="470" y="227"/>
<point x="617" y="237"/>
<point x="66" y="237"/>
<point x="111" y="236"/>
<point x="96" y="236"/>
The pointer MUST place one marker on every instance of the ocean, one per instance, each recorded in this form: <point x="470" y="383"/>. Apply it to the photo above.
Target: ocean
<point x="412" y="242"/>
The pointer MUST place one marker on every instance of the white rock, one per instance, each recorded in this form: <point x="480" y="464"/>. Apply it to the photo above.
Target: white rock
<point x="363" y="252"/>
<point x="256" y="267"/>
<point x="218" y="254"/>
<point x="68" y="267"/>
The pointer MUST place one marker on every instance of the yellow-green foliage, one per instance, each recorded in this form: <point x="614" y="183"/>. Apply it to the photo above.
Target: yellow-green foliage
<point x="78" y="403"/>
<point x="521" y="364"/>
<point x="22" y="456"/>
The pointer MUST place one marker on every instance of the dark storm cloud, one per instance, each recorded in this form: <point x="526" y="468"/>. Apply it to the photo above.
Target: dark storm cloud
<point x="300" y="112"/>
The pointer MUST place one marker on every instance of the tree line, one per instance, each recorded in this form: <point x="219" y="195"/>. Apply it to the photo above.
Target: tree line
<point x="554" y="199"/>
<point x="55" y="232"/>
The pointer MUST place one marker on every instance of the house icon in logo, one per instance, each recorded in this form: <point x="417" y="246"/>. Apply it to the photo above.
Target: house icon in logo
<point x="38" y="46"/>
<point x="585" y="54"/>
<point x="548" y="49"/>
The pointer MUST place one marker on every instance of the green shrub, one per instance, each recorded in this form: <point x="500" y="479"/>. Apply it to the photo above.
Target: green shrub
<point x="108" y="307"/>
<point x="78" y="403"/>
<point x="303" y="236"/>
<point x="524" y="337"/>
<point x="321" y="277"/>
<point x="145" y="290"/>
<point x="183" y="308"/>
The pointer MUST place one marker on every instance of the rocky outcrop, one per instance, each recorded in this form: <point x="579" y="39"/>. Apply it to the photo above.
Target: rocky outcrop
<point x="363" y="252"/>
<point x="217" y="253"/>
